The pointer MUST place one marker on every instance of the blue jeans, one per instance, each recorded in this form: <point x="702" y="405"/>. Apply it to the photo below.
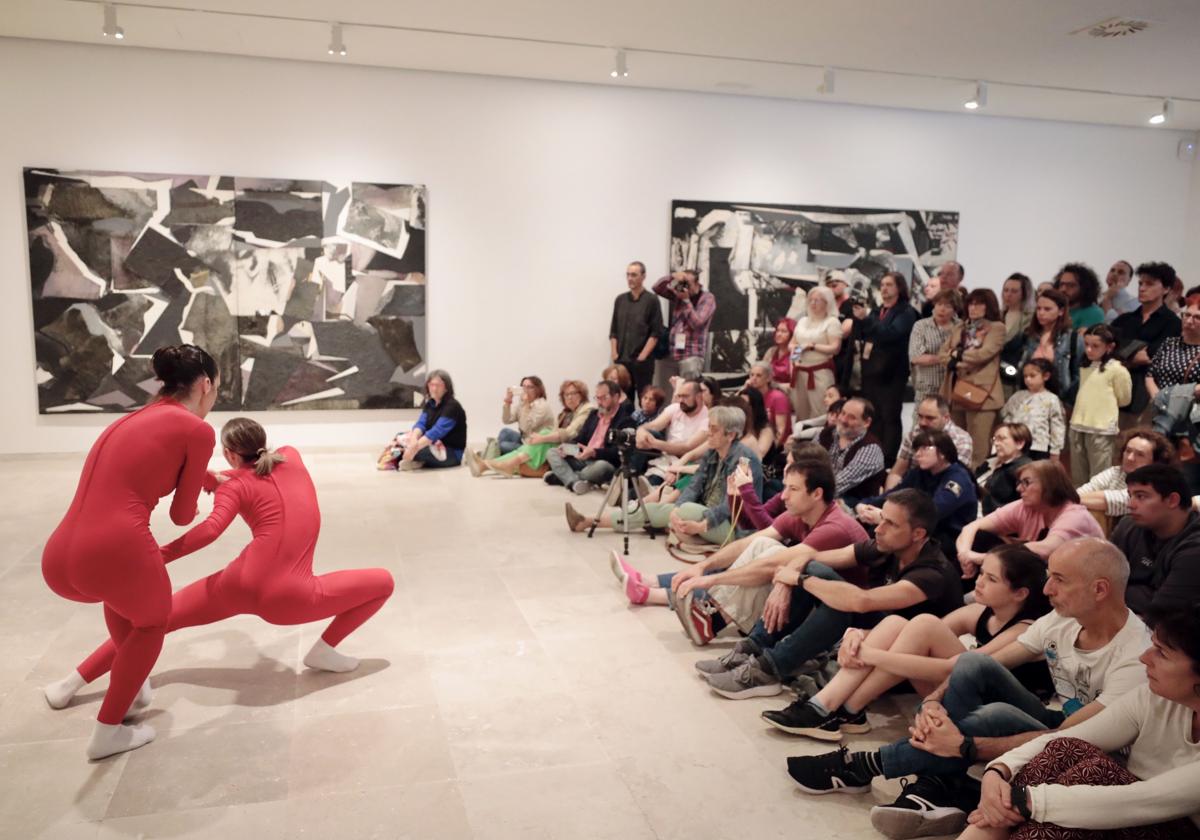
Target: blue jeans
<point x="664" y="580"/>
<point x="425" y="456"/>
<point x="984" y="699"/>
<point x="508" y="439"/>
<point x="812" y="628"/>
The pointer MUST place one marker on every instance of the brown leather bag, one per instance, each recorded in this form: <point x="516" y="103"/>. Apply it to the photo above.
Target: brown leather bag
<point x="968" y="395"/>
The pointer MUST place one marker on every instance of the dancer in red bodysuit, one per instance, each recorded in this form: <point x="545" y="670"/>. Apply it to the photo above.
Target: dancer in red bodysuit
<point x="272" y="577"/>
<point x="103" y="550"/>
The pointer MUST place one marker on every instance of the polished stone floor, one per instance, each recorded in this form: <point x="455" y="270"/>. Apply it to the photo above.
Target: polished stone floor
<point x="507" y="690"/>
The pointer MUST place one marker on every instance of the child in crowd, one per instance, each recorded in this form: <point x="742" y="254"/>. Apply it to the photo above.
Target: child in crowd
<point x="1038" y="408"/>
<point x="1104" y="388"/>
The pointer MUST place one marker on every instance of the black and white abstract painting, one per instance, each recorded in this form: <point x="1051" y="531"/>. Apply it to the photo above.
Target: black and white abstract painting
<point x="308" y="294"/>
<point x="759" y="261"/>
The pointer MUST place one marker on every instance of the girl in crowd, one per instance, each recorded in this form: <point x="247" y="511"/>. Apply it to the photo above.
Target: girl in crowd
<point x="1039" y="409"/>
<point x="1047" y="515"/>
<point x="973" y="352"/>
<point x="272" y="577"/>
<point x="1050" y="337"/>
<point x="1067" y="785"/>
<point x="1105" y="387"/>
<point x="926" y="340"/>
<point x="923" y="650"/>
<point x="532" y="415"/>
<point x="816" y="342"/>
<point x="103" y="550"/>
<point x="1016" y="301"/>
<point x="530" y="457"/>
<point x="997" y="477"/>
<point x="438" y="438"/>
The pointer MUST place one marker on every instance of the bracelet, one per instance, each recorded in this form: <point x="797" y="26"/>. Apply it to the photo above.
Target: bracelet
<point x="996" y="770"/>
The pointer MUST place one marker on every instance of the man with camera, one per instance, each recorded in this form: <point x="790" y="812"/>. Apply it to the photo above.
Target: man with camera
<point x="691" y="313"/>
<point x="592" y="459"/>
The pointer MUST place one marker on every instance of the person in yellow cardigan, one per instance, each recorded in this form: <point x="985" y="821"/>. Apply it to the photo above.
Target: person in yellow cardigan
<point x="1105" y="387"/>
<point x="972" y="355"/>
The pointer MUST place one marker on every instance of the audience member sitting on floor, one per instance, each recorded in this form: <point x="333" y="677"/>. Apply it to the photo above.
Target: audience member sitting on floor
<point x="756" y="514"/>
<point x="810" y="606"/>
<point x="1047" y="515"/>
<point x="936" y="471"/>
<point x="1161" y="539"/>
<point x="702" y="510"/>
<point x="809" y="429"/>
<point x="438" y="438"/>
<point x="923" y="650"/>
<point x="855" y="453"/>
<point x="933" y="412"/>
<point x="1106" y="492"/>
<point x="1091" y="643"/>
<point x="1038" y="408"/>
<point x="1073" y="787"/>
<point x="531" y="416"/>
<point x="650" y="404"/>
<point x="684" y="424"/>
<point x="589" y="460"/>
<point x="760" y="435"/>
<point x="620" y="374"/>
<point x="530" y="457"/>
<point x="779" y="407"/>
<point x="731" y="586"/>
<point x="996" y="477"/>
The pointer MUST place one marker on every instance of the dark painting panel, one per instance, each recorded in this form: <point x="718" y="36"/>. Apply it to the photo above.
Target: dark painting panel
<point x="308" y="294"/>
<point x="759" y="260"/>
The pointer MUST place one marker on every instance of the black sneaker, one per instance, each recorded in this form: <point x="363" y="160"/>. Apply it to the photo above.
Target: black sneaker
<point x="852" y="723"/>
<point x="551" y="479"/>
<point x="829" y="773"/>
<point x="928" y="806"/>
<point x="802" y="718"/>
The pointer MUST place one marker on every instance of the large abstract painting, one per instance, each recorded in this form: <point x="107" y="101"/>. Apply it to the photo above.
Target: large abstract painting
<point x="308" y="294"/>
<point x="760" y="260"/>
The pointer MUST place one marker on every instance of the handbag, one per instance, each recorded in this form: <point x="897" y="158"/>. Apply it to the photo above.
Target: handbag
<point x="968" y="395"/>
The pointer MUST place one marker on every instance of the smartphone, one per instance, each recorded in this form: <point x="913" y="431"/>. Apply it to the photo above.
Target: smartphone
<point x="744" y="464"/>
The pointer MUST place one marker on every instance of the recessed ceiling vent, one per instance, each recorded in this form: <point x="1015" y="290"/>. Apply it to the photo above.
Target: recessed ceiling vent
<point x="1115" y="27"/>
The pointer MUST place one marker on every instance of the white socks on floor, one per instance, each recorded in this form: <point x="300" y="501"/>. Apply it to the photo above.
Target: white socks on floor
<point x="324" y="658"/>
<point x="109" y="739"/>
<point x="59" y="694"/>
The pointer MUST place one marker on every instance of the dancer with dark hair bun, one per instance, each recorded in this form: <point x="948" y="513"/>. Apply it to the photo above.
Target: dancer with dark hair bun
<point x="103" y="550"/>
<point x="272" y="577"/>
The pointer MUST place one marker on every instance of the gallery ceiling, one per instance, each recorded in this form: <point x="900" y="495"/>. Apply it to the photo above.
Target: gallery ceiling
<point x="1099" y="61"/>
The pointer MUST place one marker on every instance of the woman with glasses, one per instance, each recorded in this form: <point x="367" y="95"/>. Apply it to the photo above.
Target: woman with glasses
<point x="1046" y="516"/>
<point x="529" y="458"/>
<point x="532" y="414"/>
<point x="1178" y="359"/>
<point x="997" y="476"/>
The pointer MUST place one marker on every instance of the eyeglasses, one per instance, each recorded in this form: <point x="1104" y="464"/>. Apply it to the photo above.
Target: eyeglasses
<point x="569" y="394"/>
<point x="1190" y="316"/>
<point x="1024" y="482"/>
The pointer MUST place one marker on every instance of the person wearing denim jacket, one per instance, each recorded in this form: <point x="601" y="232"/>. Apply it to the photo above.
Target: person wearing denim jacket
<point x="1066" y="362"/>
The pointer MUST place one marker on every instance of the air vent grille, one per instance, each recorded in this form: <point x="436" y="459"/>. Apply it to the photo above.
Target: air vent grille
<point x="1114" y="28"/>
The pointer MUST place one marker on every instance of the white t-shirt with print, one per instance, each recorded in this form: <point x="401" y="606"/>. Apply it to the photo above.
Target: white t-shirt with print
<point x="682" y="427"/>
<point x="1086" y="675"/>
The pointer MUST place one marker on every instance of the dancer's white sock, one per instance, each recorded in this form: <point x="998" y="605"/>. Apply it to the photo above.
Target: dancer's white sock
<point x="59" y="694"/>
<point x="324" y="658"/>
<point x="143" y="699"/>
<point x="109" y="739"/>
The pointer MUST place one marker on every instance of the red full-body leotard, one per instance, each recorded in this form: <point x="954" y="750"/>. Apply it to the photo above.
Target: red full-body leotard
<point x="103" y="550"/>
<point x="272" y="577"/>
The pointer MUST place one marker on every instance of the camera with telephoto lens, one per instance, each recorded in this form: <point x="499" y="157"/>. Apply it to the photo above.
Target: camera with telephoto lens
<point x="622" y="438"/>
<point x="680" y="285"/>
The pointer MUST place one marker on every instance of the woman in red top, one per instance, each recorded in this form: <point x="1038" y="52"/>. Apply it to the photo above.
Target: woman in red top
<point x="103" y="550"/>
<point x="272" y="577"/>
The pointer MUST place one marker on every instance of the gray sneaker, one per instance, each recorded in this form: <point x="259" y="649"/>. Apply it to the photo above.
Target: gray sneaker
<point x="746" y="680"/>
<point x="708" y="667"/>
<point x="582" y="488"/>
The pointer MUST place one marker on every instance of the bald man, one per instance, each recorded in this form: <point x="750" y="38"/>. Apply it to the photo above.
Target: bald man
<point x="1091" y="643"/>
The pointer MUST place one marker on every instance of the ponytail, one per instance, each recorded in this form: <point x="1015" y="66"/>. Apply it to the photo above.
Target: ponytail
<point x="249" y="440"/>
<point x="267" y="460"/>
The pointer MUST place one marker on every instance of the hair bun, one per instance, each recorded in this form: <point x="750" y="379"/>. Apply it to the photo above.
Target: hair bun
<point x="166" y="363"/>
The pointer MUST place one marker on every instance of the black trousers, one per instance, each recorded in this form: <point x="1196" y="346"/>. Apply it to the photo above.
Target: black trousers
<point x="642" y="374"/>
<point x="887" y="395"/>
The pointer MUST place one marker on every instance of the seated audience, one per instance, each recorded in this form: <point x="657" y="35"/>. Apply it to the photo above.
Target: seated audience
<point x="1161" y="539"/>
<point x="531" y="416"/>
<point x="1091" y="643"/>
<point x="756" y="514"/>
<point x="936" y="472"/>
<point x="1047" y="515"/>
<point x="1106" y="492"/>
<point x="589" y="461"/>
<point x="530" y="457"/>
<point x="702" y="509"/>
<point x="923" y="650"/>
<point x="933" y="413"/>
<point x="810" y="605"/>
<point x="760" y="435"/>
<point x="779" y="407"/>
<point x="811" y="428"/>
<point x="683" y="425"/>
<point x="620" y="374"/>
<point x="438" y="438"/>
<point x="997" y="476"/>
<point x="855" y="453"/>
<point x="1073" y="787"/>
<point x="1038" y="408"/>
<point x="650" y="404"/>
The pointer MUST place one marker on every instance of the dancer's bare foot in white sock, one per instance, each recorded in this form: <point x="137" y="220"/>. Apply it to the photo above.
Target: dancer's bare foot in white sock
<point x="324" y="658"/>
<point x="143" y="699"/>
<point x="108" y="739"/>
<point x="59" y="694"/>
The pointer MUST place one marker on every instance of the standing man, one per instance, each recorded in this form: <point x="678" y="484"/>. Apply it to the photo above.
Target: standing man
<point x="1118" y="297"/>
<point x="884" y="333"/>
<point x="1081" y="287"/>
<point x="636" y="324"/>
<point x="691" y="314"/>
<point x="949" y="276"/>
<point x="844" y="361"/>
<point x="1141" y="332"/>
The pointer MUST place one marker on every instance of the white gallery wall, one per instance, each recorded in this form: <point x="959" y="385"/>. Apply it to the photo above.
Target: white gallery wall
<point x="539" y="192"/>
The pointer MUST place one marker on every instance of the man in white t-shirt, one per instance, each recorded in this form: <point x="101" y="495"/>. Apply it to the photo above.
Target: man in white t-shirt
<point x="1091" y="643"/>
<point x="684" y="421"/>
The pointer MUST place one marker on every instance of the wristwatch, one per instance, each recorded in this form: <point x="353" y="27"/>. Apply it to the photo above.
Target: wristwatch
<point x="1020" y="801"/>
<point x="967" y="749"/>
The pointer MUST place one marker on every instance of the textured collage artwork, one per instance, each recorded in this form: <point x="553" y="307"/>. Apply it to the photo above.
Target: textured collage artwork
<point x="759" y="260"/>
<point x="308" y="294"/>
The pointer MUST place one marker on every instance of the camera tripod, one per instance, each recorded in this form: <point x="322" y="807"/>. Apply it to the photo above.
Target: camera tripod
<point x="623" y="484"/>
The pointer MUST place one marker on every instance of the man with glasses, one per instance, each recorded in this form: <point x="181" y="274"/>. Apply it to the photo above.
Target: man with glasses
<point x="933" y="414"/>
<point x="635" y="329"/>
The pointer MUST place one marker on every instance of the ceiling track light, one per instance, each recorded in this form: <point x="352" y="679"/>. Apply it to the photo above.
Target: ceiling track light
<point x="337" y="46"/>
<point x="828" y="81"/>
<point x="111" y="29"/>
<point x="620" y="68"/>
<point x="1163" y="115"/>
<point x="979" y="100"/>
